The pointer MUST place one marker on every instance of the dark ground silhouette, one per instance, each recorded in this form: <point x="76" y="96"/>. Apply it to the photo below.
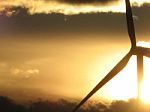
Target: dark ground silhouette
<point x="8" y="105"/>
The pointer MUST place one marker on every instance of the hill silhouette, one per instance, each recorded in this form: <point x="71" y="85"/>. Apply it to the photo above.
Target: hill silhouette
<point x="62" y="105"/>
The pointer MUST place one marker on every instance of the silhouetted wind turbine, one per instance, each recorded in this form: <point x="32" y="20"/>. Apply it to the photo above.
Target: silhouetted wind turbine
<point x="135" y="50"/>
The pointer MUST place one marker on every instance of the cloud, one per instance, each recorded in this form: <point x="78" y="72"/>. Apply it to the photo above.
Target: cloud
<point x="16" y="71"/>
<point x="32" y="71"/>
<point x="86" y="1"/>
<point x="25" y="73"/>
<point x="47" y="6"/>
<point x="67" y="7"/>
<point x="3" y="64"/>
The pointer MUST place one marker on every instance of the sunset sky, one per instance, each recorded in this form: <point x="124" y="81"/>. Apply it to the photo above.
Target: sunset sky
<point x="63" y="48"/>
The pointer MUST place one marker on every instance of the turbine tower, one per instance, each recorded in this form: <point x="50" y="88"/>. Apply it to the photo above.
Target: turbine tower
<point x="135" y="50"/>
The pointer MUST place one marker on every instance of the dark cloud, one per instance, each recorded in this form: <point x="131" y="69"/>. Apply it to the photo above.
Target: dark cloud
<point x="63" y="105"/>
<point x="96" y="23"/>
<point x="87" y="1"/>
<point x="52" y="23"/>
<point x="66" y="7"/>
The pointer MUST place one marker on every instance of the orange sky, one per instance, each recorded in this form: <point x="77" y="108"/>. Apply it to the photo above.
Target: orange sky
<point x="64" y="68"/>
<point x="66" y="56"/>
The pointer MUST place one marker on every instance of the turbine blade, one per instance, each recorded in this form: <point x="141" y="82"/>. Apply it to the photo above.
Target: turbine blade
<point x="146" y="52"/>
<point x="108" y="77"/>
<point x="130" y="24"/>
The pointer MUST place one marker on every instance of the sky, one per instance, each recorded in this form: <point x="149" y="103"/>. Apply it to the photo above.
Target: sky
<point x="63" y="48"/>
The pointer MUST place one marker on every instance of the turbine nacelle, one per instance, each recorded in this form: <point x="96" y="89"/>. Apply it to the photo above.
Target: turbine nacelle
<point x="139" y="50"/>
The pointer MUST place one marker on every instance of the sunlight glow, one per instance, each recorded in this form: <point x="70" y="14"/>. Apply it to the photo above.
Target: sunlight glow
<point x="145" y="93"/>
<point x="143" y="44"/>
<point x="124" y="85"/>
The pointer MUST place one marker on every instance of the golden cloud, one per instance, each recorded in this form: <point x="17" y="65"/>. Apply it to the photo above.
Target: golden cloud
<point x="67" y="7"/>
<point x="26" y="73"/>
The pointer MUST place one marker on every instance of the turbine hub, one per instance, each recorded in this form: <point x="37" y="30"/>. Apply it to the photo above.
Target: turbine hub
<point x="139" y="50"/>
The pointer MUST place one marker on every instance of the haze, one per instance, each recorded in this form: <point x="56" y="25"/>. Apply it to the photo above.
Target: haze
<point x="46" y="54"/>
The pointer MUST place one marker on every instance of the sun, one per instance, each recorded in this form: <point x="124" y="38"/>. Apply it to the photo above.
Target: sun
<point x="145" y="91"/>
<point x="124" y="85"/>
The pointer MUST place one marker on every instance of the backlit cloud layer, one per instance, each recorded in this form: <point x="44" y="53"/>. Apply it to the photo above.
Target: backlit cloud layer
<point x="67" y="7"/>
<point x="87" y="1"/>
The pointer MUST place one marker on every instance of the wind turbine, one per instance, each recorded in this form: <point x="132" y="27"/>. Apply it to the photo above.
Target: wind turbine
<point x="135" y="50"/>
